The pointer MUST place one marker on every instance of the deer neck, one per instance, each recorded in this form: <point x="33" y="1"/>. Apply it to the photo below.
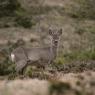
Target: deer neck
<point x="54" y="48"/>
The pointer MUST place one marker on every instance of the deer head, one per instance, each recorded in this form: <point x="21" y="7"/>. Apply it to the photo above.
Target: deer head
<point x="55" y="36"/>
<point x="55" y="39"/>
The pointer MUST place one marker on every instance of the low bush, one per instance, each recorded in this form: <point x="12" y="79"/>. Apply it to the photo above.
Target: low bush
<point x="24" y="22"/>
<point x="8" y="7"/>
<point x="6" y="67"/>
<point x="59" y="88"/>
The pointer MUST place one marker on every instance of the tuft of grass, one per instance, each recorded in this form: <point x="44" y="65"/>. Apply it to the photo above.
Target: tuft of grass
<point x="78" y="92"/>
<point x="59" y="88"/>
<point x="59" y="63"/>
<point x="59" y="60"/>
<point x="28" y="71"/>
<point x="78" y="83"/>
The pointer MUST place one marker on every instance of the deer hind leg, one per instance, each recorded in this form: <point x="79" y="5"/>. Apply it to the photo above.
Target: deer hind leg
<point x="20" y="66"/>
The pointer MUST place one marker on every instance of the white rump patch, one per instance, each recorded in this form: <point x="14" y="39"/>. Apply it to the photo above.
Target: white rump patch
<point x="12" y="57"/>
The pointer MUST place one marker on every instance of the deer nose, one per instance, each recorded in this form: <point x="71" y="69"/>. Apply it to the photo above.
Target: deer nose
<point x="55" y="42"/>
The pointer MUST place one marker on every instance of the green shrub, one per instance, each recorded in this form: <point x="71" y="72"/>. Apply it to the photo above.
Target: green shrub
<point x="6" y="67"/>
<point x="24" y="22"/>
<point x="17" y="14"/>
<point x="23" y="19"/>
<point x="8" y="7"/>
<point x="59" y="88"/>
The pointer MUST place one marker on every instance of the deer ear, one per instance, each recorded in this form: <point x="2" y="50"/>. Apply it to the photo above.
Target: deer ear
<point x="50" y="32"/>
<point x="60" y="31"/>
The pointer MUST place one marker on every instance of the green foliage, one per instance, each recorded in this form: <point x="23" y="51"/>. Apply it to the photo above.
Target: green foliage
<point x="28" y="71"/>
<point x="6" y="67"/>
<point x="8" y="7"/>
<point x="81" y="55"/>
<point x="59" y="88"/>
<point x="13" y="9"/>
<point x="59" y="60"/>
<point x="24" y="22"/>
<point x="77" y="92"/>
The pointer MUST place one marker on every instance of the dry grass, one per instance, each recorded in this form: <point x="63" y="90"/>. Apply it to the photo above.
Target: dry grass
<point x="24" y="87"/>
<point x="69" y="84"/>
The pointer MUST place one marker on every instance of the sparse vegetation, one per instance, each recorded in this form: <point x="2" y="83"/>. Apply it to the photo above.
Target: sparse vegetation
<point x="24" y="22"/>
<point x="83" y="28"/>
<point x="38" y="10"/>
<point x="81" y="55"/>
<point x="82" y="9"/>
<point x="59" y="88"/>
<point x="6" y="67"/>
<point x="28" y="71"/>
<point x="59" y="60"/>
<point x="17" y="14"/>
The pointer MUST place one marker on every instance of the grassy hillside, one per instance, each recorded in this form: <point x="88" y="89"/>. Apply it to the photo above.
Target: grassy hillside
<point x="27" y="23"/>
<point x="30" y="20"/>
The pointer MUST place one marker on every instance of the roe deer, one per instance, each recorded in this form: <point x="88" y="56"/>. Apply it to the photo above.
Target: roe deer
<point x="22" y="56"/>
